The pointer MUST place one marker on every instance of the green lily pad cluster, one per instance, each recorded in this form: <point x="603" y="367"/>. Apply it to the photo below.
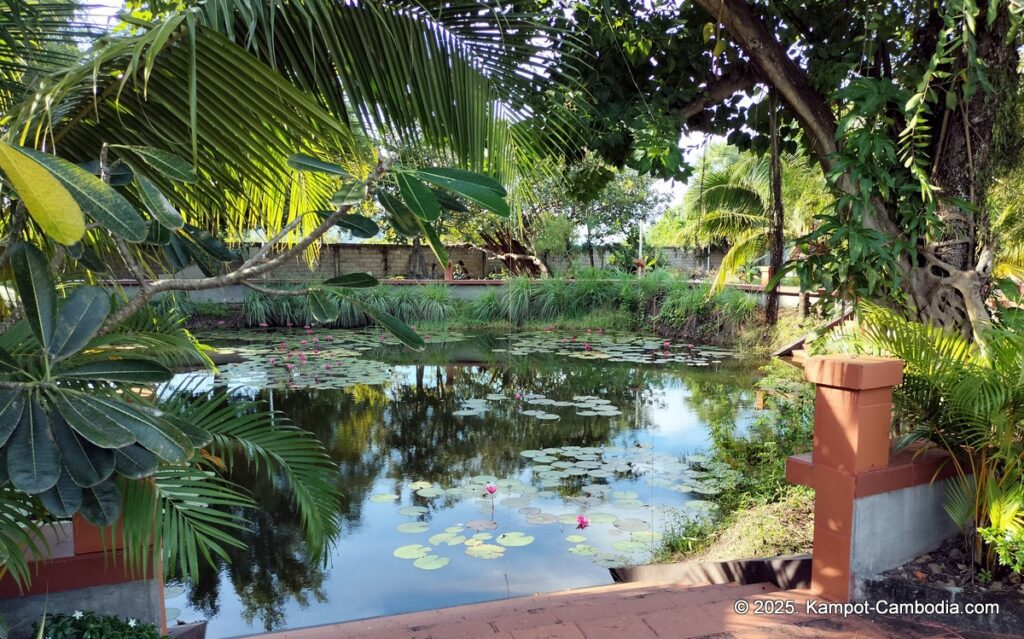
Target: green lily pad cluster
<point x="630" y="348"/>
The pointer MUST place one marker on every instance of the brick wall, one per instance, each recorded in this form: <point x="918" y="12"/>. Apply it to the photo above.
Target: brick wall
<point x="669" y="257"/>
<point x="382" y="261"/>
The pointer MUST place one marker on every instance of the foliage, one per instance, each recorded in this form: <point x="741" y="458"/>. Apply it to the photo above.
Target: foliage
<point x="963" y="396"/>
<point x="88" y="624"/>
<point x="1008" y="546"/>
<point x="729" y="202"/>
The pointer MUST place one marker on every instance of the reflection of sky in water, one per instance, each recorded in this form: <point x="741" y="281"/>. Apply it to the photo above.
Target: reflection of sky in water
<point x="388" y="436"/>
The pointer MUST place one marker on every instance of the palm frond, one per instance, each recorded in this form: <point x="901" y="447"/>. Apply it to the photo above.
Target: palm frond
<point x="247" y="431"/>
<point x="194" y="511"/>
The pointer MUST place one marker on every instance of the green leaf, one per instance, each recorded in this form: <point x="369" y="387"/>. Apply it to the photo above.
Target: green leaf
<point x="395" y="326"/>
<point x="80" y="317"/>
<point x="168" y="164"/>
<point x="64" y="499"/>
<point x="159" y="206"/>
<point x="86" y="463"/>
<point x="101" y="504"/>
<point x="156" y="434"/>
<point x="449" y="202"/>
<point x="323" y="305"/>
<point x="352" y="280"/>
<point x="350" y="194"/>
<point x="101" y="201"/>
<point x="36" y="289"/>
<point x="47" y="201"/>
<point x="211" y="245"/>
<point x="33" y="460"/>
<point x="359" y="226"/>
<point x="91" y="419"/>
<point x="135" y="461"/>
<point x="12" y="405"/>
<point x="402" y="219"/>
<point x="127" y="370"/>
<point x="303" y="162"/>
<point x="460" y="175"/>
<point x="481" y="195"/>
<point x="418" y="197"/>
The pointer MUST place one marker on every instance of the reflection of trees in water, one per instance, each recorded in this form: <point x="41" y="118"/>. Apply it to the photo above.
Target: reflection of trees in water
<point x="406" y="429"/>
<point x="272" y="567"/>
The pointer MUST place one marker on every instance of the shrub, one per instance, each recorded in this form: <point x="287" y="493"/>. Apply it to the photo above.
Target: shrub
<point x="89" y="625"/>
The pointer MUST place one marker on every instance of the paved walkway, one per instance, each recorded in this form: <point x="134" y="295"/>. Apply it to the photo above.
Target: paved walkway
<point x="629" y="611"/>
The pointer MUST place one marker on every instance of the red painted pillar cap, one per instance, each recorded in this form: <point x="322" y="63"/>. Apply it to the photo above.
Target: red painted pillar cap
<point x="853" y="372"/>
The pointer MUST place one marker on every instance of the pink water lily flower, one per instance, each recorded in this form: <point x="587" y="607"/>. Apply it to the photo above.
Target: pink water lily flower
<point x="586" y="347"/>
<point x="491" y="489"/>
<point x="582" y="522"/>
<point x="329" y="338"/>
<point x="327" y="366"/>
<point x="220" y="323"/>
<point x="303" y="342"/>
<point x="316" y="339"/>
<point x="666" y="343"/>
<point x="273" y="360"/>
<point x="290" y="366"/>
<point x="263" y="324"/>
<point x="518" y="396"/>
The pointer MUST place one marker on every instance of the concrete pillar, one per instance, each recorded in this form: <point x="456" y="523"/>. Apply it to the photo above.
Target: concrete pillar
<point x="767" y="273"/>
<point x="873" y="510"/>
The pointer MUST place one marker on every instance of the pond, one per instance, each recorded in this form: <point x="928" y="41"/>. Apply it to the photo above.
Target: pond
<point x="465" y="467"/>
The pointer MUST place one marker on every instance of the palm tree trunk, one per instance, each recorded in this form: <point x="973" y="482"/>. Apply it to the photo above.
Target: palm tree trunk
<point x="771" y="309"/>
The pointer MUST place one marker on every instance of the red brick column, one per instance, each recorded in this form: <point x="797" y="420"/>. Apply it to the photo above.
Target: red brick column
<point x="852" y="415"/>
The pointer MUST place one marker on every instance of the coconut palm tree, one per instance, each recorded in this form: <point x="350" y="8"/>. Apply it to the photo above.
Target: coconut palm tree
<point x="730" y="201"/>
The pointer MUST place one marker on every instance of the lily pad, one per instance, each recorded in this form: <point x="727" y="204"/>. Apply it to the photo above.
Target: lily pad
<point x="447" y="538"/>
<point x="542" y="518"/>
<point x="583" y="549"/>
<point x="412" y="551"/>
<point x="412" y="511"/>
<point x="576" y="539"/>
<point x="413" y="527"/>
<point x="485" y="551"/>
<point x="416" y="485"/>
<point x="431" y="562"/>
<point x="515" y="539"/>
<point x="481" y="524"/>
<point x="631" y="525"/>
<point x="383" y="498"/>
<point x="430" y="493"/>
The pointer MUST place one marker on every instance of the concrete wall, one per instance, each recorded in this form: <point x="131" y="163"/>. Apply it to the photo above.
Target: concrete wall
<point x="893" y="528"/>
<point x="142" y="600"/>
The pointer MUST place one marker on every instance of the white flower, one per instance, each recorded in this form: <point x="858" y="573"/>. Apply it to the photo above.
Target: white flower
<point x="77" y="614"/>
<point x="131" y="623"/>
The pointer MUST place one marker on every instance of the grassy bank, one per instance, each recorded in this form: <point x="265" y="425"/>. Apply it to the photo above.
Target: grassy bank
<point x="758" y="512"/>
<point x="659" y="302"/>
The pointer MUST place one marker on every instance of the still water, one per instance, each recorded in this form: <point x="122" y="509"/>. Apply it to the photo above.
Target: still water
<point x="608" y="427"/>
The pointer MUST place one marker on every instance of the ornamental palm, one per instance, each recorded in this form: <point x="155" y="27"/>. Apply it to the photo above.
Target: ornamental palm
<point x="730" y="201"/>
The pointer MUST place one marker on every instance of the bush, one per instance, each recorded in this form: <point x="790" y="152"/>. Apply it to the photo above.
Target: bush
<point x="89" y="625"/>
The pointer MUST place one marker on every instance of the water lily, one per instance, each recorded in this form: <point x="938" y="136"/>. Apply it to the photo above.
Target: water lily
<point x="329" y="338"/>
<point x="309" y="331"/>
<point x="263" y="325"/>
<point x="220" y="323"/>
<point x="582" y="522"/>
<point x="587" y="346"/>
<point x="327" y="366"/>
<point x="132" y="623"/>
<point x="290" y="366"/>
<point x="316" y="339"/>
<point x="666" y="344"/>
<point x="518" y="396"/>
<point x="273" y="360"/>
<point x="78" y="614"/>
<point x="303" y="342"/>
<point x="491" y="489"/>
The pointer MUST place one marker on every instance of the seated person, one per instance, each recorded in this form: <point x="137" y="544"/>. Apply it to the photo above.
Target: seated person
<point x="461" y="272"/>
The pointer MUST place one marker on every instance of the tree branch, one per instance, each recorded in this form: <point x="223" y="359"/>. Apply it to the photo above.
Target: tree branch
<point x="240" y="275"/>
<point x="714" y="92"/>
<point x="775" y="67"/>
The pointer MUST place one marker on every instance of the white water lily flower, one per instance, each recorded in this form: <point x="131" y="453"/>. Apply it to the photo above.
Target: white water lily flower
<point x="77" y="614"/>
<point x="132" y="623"/>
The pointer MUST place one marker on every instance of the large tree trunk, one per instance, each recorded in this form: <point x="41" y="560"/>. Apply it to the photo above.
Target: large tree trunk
<point x="947" y="283"/>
